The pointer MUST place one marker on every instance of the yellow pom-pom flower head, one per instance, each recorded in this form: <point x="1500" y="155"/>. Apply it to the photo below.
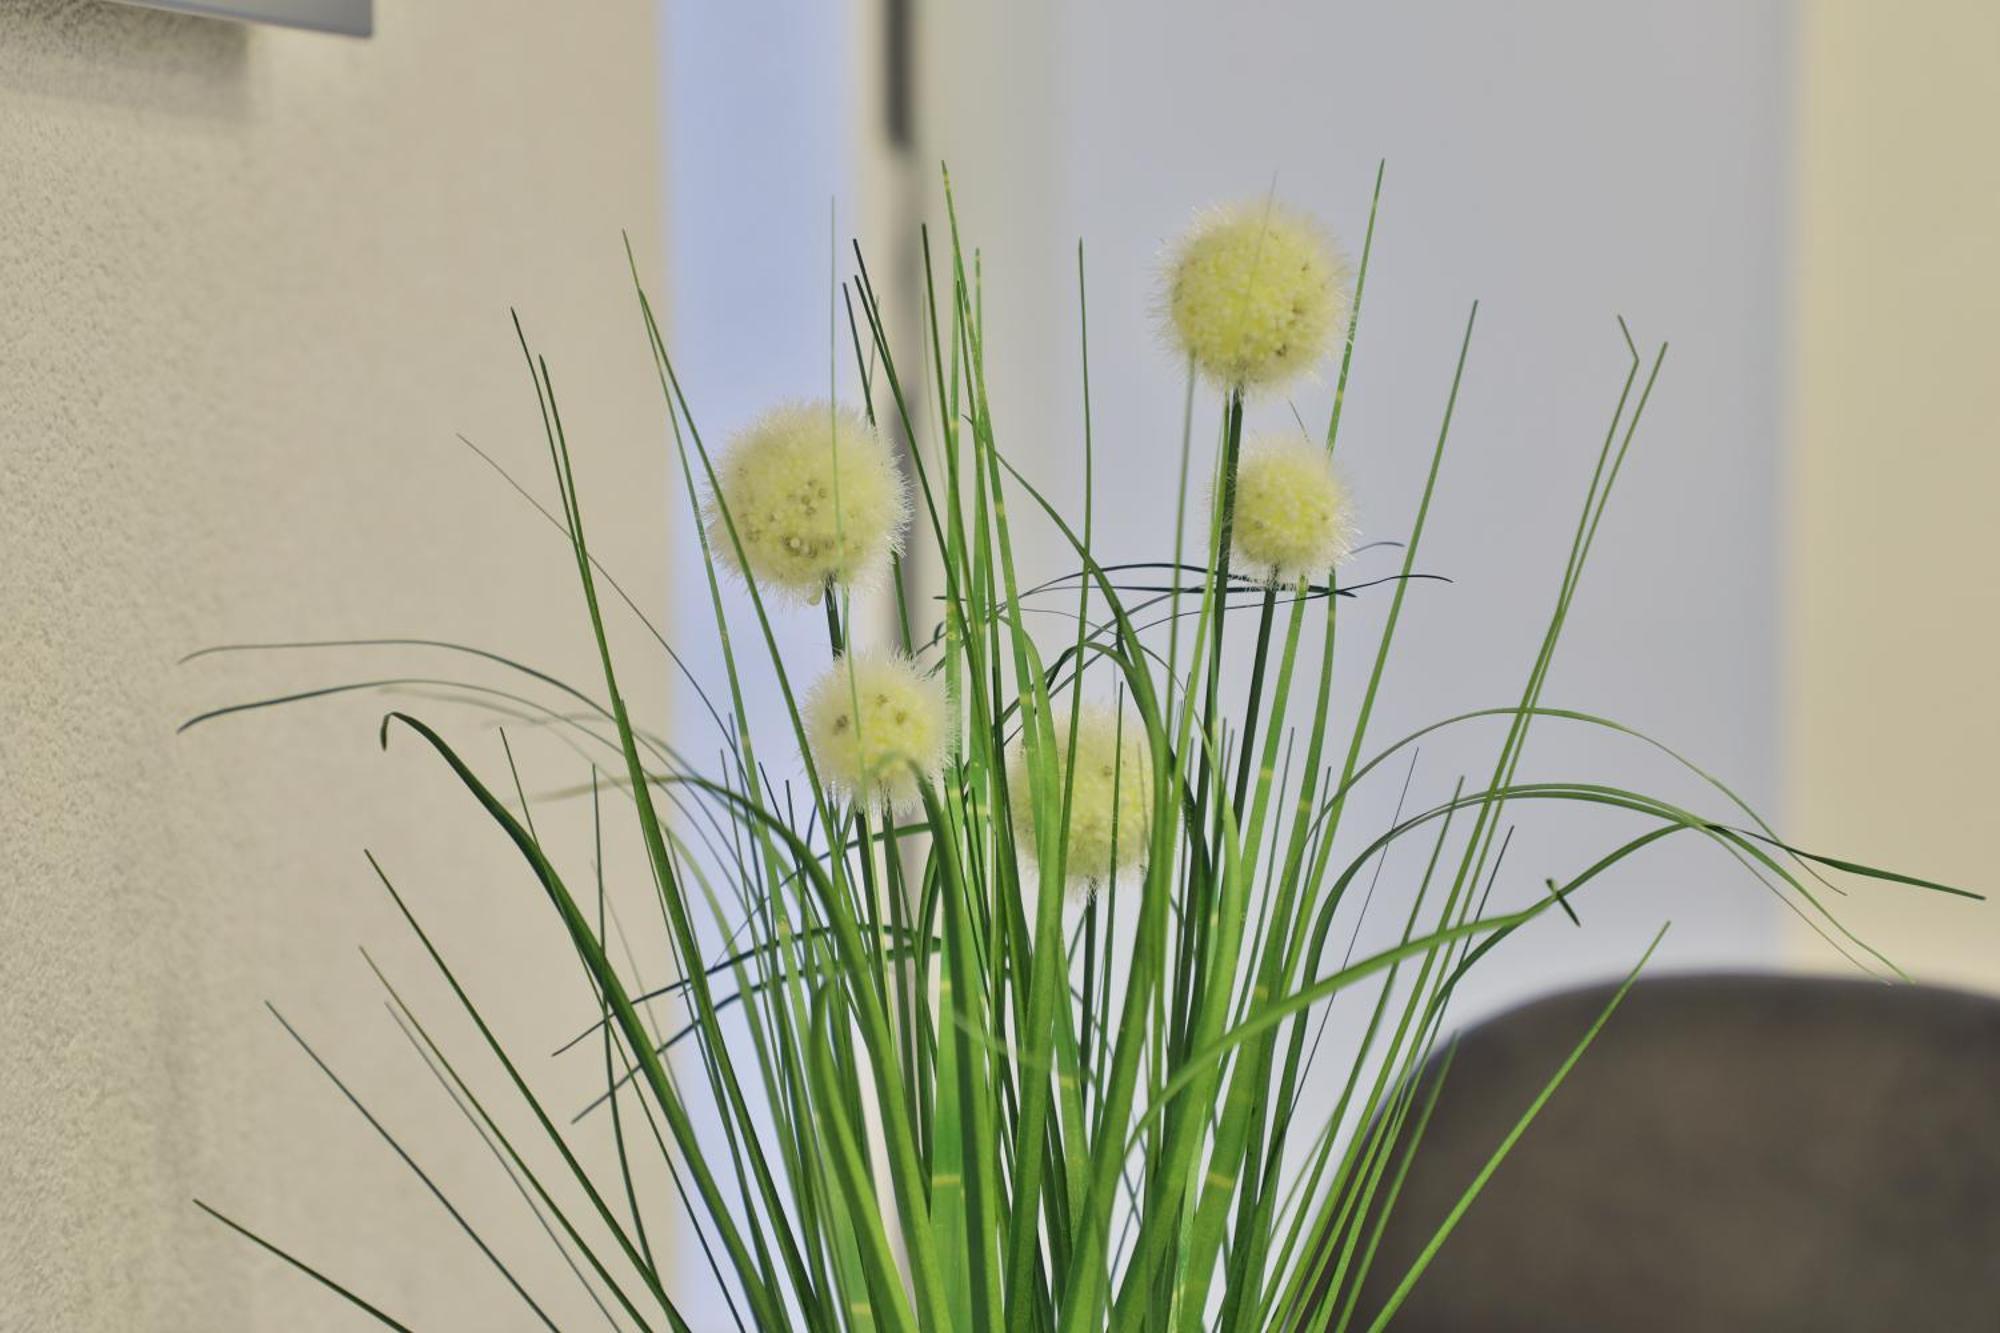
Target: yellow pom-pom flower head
<point x="1256" y="295"/>
<point x="1113" y="787"/>
<point x="878" y="726"/>
<point x="816" y="498"/>
<point x="1292" y="519"/>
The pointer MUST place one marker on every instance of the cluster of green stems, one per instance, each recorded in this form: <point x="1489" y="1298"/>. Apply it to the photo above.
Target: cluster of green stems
<point x="902" y="1080"/>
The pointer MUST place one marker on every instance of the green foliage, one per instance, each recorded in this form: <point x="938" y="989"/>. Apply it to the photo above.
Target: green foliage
<point x="932" y="1101"/>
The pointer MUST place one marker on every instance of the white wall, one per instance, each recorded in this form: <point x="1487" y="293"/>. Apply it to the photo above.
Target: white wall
<point x="1562" y="162"/>
<point x="761" y="145"/>
<point x="758" y="115"/>
<point x="251" y="283"/>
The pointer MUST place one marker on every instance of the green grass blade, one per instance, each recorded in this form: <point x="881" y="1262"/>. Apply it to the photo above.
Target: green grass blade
<point x="305" y="1268"/>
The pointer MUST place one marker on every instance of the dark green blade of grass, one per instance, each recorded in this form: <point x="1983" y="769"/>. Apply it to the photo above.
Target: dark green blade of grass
<point x="305" y="1268"/>
<point x="469" y="1102"/>
<point x="494" y="1149"/>
<point x="444" y="1201"/>
<point x="528" y="1098"/>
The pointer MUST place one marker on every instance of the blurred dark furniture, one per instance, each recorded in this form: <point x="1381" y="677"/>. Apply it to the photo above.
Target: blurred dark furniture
<point x="1735" y="1152"/>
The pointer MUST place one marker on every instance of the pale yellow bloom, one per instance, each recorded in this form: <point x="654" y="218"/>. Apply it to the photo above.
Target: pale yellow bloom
<point x="877" y="725"/>
<point x="816" y="497"/>
<point x="1292" y="520"/>
<point x="1113" y="783"/>
<point x="1256" y="294"/>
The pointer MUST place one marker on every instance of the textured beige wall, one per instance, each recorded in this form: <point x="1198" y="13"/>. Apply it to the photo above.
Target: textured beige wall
<point x="251" y="283"/>
<point x="1894" y="701"/>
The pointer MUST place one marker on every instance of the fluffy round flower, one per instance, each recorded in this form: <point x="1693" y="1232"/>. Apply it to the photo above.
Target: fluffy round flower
<point x="782" y="478"/>
<point x="1256" y="294"/>
<point x="1114" y="782"/>
<point x="877" y="725"/>
<point x="1292" y="520"/>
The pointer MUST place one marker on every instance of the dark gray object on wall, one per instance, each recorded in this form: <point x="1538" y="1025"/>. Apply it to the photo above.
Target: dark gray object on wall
<point x="356" y="18"/>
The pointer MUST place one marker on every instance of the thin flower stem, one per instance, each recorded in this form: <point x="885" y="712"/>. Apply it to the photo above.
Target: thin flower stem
<point x="1265" y="616"/>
